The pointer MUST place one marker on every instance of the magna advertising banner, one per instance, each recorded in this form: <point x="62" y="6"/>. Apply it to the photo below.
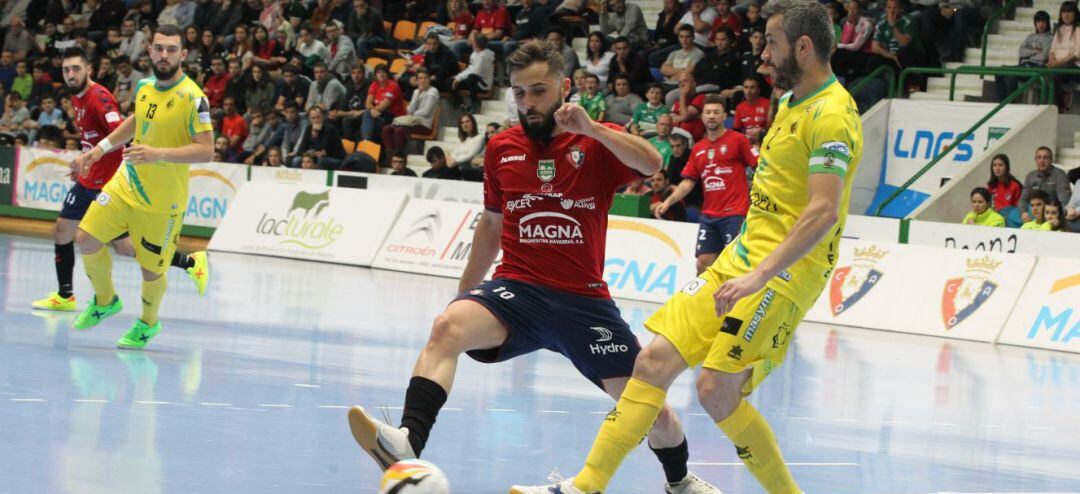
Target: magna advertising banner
<point x="922" y="290"/>
<point x="431" y="237"/>
<point x="649" y="259"/>
<point x="918" y="130"/>
<point x="211" y="187"/>
<point x="283" y="175"/>
<point x="1048" y="312"/>
<point x="42" y="177"/>
<point x="327" y="224"/>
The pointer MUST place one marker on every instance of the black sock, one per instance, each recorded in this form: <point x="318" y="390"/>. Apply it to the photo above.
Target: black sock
<point x="674" y="461"/>
<point x="423" y="400"/>
<point x="65" y="266"/>
<point x="182" y="261"/>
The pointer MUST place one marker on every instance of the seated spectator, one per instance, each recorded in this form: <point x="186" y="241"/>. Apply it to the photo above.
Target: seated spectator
<point x="478" y="77"/>
<point x="894" y="40"/>
<point x="666" y="23"/>
<point x="632" y="65"/>
<point x="592" y="100"/>
<point x="23" y="83"/>
<point x="621" y="104"/>
<point x="348" y="115"/>
<point x="310" y="49"/>
<point x="493" y="22"/>
<point x="686" y="112"/>
<point x="981" y="212"/>
<point x="292" y="87"/>
<point x="1037" y="202"/>
<point x="753" y="22"/>
<point x="1033" y="52"/>
<point x="681" y="144"/>
<point x="399" y="165"/>
<point x="951" y="27"/>
<point x="48" y="137"/>
<point x="854" y="44"/>
<point x="72" y="144"/>
<point x="752" y="114"/>
<point x="273" y="158"/>
<point x="418" y="118"/>
<point x="291" y="130"/>
<point x="18" y="40"/>
<point x="126" y="79"/>
<point x="1065" y="53"/>
<point x="215" y="85"/>
<point x="323" y="140"/>
<point x="439" y="168"/>
<point x="1047" y="178"/>
<point x="661" y="190"/>
<point x="637" y="188"/>
<point x="49" y="114"/>
<point x="341" y="51"/>
<point x="726" y="18"/>
<point x="557" y="37"/>
<point x="458" y="13"/>
<point x="240" y="51"/>
<point x="662" y="140"/>
<point x="1054" y="214"/>
<point x="7" y="70"/>
<point x="580" y="78"/>
<point x="253" y="149"/>
<point x="1006" y="190"/>
<point x="384" y="102"/>
<point x="470" y="143"/>
<point x="223" y="153"/>
<point x="260" y="93"/>
<point x="750" y="60"/>
<point x="326" y="91"/>
<point x="681" y="61"/>
<point x="365" y="26"/>
<point x="234" y="127"/>
<point x="309" y="161"/>
<point x="1072" y="210"/>
<point x="598" y="57"/>
<point x="440" y="63"/>
<point x="647" y="114"/>
<point x="719" y="70"/>
<point x="530" y="22"/>
<point x="619" y="18"/>
<point x="267" y="52"/>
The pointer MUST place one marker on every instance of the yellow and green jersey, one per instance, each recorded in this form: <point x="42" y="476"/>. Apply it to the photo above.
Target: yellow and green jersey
<point x="821" y="133"/>
<point x="165" y="117"/>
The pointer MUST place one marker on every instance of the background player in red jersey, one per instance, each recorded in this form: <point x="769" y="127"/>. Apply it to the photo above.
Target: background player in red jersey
<point x="719" y="162"/>
<point x="548" y="184"/>
<point x="96" y="115"/>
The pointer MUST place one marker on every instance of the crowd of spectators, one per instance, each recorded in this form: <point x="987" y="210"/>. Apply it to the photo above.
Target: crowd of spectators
<point x="1047" y="199"/>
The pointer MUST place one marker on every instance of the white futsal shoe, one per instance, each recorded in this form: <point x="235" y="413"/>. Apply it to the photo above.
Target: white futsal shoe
<point x="384" y="443"/>
<point x="560" y="486"/>
<point x="692" y="484"/>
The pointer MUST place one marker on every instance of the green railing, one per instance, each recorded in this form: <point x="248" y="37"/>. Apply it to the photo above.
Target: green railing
<point x="989" y="24"/>
<point x="960" y="138"/>
<point x="890" y="78"/>
<point x="1047" y="87"/>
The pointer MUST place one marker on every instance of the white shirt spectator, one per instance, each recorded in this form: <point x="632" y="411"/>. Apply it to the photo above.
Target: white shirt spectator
<point x="708" y="16"/>
<point x="468" y="149"/>
<point x="599" y="69"/>
<point x="133" y="46"/>
<point x="482" y="64"/>
<point x="316" y="48"/>
<point x="423" y="105"/>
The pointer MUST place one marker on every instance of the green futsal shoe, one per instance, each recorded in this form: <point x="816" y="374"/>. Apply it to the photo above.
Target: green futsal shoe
<point x="94" y="313"/>
<point x="139" y="336"/>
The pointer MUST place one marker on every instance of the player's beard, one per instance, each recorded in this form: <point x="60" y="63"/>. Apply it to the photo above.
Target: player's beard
<point x="541" y="131"/>
<point x="164" y="75"/>
<point x="712" y="126"/>
<point x="78" y="89"/>
<point x="786" y="73"/>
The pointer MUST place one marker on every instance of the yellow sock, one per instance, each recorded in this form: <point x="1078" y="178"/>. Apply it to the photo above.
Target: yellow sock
<point x="152" y="294"/>
<point x="622" y="431"/>
<point x="757" y="448"/>
<point x="99" y="269"/>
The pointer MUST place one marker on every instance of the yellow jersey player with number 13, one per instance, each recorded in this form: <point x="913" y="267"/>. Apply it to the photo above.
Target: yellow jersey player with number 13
<point x="737" y="319"/>
<point x="148" y="195"/>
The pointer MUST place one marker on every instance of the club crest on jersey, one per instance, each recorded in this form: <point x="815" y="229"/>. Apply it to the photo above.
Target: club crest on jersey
<point x="723" y="149"/>
<point x="577" y="156"/>
<point x="545" y="170"/>
<point x="712" y="152"/>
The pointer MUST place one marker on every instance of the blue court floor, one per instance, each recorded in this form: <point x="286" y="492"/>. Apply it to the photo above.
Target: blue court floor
<point x="246" y="391"/>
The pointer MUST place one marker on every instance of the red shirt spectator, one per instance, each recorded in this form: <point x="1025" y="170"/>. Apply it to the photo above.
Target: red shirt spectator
<point x="732" y="20"/>
<point x="391" y="90"/>
<point x="492" y="17"/>
<point x="694" y="125"/>
<point x="749" y="114"/>
<point x="233" y="125"/>
<point x="215" y="88"/>
<point x="720" y="166"/>
<point x="463" y="24"/>
<point x="1005" y="195"/>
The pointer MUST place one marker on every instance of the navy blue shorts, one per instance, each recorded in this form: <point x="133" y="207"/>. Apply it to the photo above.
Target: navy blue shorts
<point x="588" y="331"/>
<point x="715" y="233"/>
<point x="77" y="201"/>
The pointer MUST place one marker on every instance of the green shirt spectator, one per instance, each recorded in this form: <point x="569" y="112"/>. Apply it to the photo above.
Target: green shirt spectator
<point x="594" y="105"/>
<point x="987" y="218"/>
<point x="23" y="85"/>
<point x="664" y="147"/>
<point x="1035" y="225"/>
<point x="646" y="115"/>
<point x="883" y="33"/>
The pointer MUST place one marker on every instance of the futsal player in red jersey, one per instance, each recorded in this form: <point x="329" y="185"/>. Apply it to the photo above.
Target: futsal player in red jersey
<point x="548" y="184"/>
<point x="96" y="115"/>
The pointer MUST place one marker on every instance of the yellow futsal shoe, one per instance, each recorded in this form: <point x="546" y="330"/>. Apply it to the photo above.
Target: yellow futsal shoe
<point x="55" y="302"/>
<point x="200" y="272"/>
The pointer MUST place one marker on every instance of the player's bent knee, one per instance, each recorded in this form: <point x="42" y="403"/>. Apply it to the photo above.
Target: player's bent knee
<point x="87" y="243"/>
<point x="448" y="334"/>
<point x="653" y="365"/>
<point x="719" y="397"/>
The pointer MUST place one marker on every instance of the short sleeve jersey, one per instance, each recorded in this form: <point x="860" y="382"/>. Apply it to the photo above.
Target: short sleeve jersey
<point x="720" y="166"/>
<point x="165" y="117"/>
<point x="97" y="116"/>
<point x="554" y="198"/>
<point x="821" y="133"/>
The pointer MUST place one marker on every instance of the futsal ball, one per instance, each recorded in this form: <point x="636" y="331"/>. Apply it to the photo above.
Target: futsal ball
<point x="414" y="477"/>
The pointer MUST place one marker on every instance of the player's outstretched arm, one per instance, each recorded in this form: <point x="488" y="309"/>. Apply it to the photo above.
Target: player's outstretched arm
<point x="485" y="248"/>
<point x="201" y="150"/>
<point x="816" y="221"/>
<point x="117" y="138"/>
<point x="632" y="150"/>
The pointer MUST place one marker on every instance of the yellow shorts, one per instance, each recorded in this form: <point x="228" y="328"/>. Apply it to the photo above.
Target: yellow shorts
<point x="154" y="235"/>
<point x="755" y="334"/>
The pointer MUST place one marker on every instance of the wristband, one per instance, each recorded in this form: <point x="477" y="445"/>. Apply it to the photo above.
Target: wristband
<point x="105" y="145"/>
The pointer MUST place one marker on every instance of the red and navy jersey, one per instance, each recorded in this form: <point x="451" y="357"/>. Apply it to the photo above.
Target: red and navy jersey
<point x="720" y="166"/>
<point x="96" y="115"/>
<point x="554" y="199"/>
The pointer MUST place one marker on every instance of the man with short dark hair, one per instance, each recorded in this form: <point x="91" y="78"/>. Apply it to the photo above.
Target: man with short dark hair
<point x="752" y="114"/>
<point x="217" y="83"/>
<point x="1047" y="178"/>
<point x="292" y="87"/>
<point x="326" y="91"/>
<point x="126" y="79"/>
<point x="399" y="164"/>
<point x="552" y="235"/>
<point x="631" y="64"/>
<point x="440" y="168"/>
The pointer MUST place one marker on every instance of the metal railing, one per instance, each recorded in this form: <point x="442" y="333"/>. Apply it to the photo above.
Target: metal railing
<point x="1047" y="87"/>
<point x="960" y="138"/>
<point x="989" y="24"/>
<point x="890" y="78"/>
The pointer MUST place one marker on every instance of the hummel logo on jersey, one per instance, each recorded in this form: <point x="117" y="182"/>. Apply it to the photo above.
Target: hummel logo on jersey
<point x="605" y="334"/>
<point x="513" y="157"/>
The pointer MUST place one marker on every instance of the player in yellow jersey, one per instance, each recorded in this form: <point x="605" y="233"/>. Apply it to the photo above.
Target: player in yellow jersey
<point x="148" y="194"/>
<point x="737" y="319"/>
